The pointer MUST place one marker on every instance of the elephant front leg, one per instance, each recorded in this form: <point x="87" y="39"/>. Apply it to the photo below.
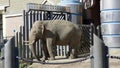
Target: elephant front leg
<point x="44" y="51"/>
<point x="73" y="52"/>
<point x="50" y="48"/>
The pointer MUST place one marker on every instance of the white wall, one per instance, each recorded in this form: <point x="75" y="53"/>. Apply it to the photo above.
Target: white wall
<point x="11" y="23"/>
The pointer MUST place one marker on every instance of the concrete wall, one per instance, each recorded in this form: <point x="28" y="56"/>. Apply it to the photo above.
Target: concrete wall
<point x="11" y="23"/>
<point x="17" y="6"/>
<point x="12" y="18"/>
<point x="4" y="2"/>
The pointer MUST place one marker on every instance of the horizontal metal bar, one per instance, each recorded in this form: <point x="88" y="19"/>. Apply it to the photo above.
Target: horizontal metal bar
<point x="79" y="60"/>
<point x="33" y="6"/>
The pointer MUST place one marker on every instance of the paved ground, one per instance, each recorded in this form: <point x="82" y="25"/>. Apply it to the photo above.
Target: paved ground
<point x="0" y="64"/>
<point x="85" y="64"/>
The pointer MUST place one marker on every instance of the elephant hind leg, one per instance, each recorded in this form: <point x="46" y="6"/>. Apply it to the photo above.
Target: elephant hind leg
<point x="50" y="48"/>
<point x="73" y="51"/>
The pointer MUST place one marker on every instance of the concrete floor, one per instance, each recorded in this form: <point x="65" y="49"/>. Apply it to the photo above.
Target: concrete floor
<point x="85" y="64"/>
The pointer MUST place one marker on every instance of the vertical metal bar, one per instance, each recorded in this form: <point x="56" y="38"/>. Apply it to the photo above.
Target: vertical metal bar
<point x="23" y="30"/>
<point x="40" y="15"/>
<point x="67" y="49"/>
<point x="43" y="18"/>
<point x="64" y="50"/>
<point x="26" y="34"/>
<point x="58" y="51"/>
<point x="30" y="20"/>
<point x="20" y="42"/>
<point x="30" y="26"/>
<point x="61" y="50"/>
<point x="37" y="48"/>
<point x="16" y="48"/>
<point x="33" y="16"/>
<point x="92" y="30"/>
<point x="37" y="15"/>
<point x="16" y="39"/>
<point x="40" y="52"/>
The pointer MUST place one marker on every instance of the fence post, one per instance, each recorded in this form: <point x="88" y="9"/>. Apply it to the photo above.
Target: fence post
<point x="99" y="53"/>
<point x="9" y="54"/>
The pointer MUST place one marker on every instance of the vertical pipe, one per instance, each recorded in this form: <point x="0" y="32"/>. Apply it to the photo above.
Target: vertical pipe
<point x="75" y="9"/>
<point x="2" y="55"/>
<point x="10" y="54"/>
<point x="110" y="22"/>
<point x="91" y="57"/>
<point x="99" y="54"/>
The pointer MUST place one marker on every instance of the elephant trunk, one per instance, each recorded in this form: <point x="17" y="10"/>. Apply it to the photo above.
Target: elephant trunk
<point x="32" y="48"/>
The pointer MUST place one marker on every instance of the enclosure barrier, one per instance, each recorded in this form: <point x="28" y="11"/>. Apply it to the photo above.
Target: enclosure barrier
<point x="11" y="56"/>
<point x="10" y="53"/>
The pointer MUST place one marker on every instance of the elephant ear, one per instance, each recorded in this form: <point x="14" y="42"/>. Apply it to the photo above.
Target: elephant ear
<point x="43" y="29"/>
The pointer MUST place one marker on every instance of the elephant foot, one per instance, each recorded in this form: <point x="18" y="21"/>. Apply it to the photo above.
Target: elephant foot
<point x="43" y="59"/>
<point x="37" y="58"/>
<point x="52" y="58"/>
<point x="71" y="57"/>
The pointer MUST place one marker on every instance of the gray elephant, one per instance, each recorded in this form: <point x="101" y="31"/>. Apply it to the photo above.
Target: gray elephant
<point x="55" y="32"/>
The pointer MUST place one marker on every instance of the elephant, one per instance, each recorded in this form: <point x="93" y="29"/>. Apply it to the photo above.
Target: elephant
<point x="55" y="32"/>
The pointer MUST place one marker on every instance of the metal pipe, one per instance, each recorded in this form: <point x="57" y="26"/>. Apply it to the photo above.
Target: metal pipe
<point x="110" y="22"/>
<point x="75" y="9"/>
<point x="9" y="54"/>
<point x="99" y="53"/>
